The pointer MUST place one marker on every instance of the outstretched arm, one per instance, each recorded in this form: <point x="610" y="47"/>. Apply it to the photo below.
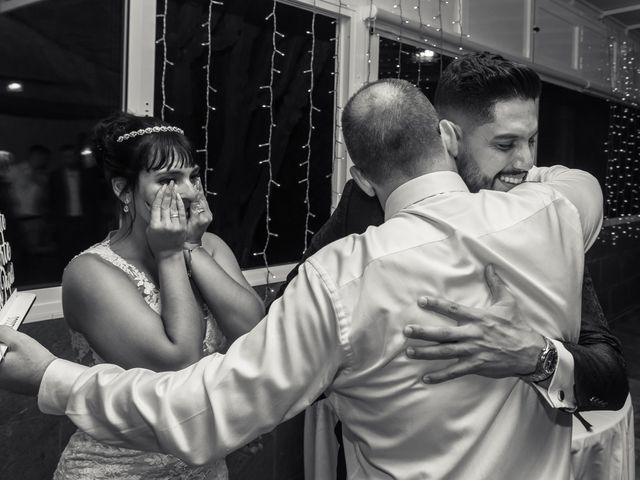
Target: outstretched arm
<point x="208" y="409"/>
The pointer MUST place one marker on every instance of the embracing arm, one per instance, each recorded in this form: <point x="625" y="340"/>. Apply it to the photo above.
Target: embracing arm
<point x="497" y="343"/>
<point x="600" y="370"/>
<point x="581" y="189"/>
<point x="211" y="408"/>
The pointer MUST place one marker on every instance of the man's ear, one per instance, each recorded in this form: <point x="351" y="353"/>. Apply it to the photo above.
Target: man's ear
<point x="364" y="184"/>
<point x="451" y="134"/>
<point x="119" y="186"/>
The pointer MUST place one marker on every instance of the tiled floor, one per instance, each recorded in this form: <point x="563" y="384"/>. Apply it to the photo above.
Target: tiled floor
<point x="627" y="328"/>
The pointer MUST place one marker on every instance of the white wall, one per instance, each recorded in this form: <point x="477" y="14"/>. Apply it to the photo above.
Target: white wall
<point x="563" y="39"/>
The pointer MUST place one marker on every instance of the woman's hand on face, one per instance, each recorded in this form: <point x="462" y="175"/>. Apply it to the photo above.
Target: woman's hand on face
<point x="167" y="228"/>
<point x="199" y="219"/>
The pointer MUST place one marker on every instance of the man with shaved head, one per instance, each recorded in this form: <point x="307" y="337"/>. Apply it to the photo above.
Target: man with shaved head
<point x="338" y="328"/>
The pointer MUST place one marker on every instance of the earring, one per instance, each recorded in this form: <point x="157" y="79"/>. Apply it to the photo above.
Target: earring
<point x="125" y="209"/>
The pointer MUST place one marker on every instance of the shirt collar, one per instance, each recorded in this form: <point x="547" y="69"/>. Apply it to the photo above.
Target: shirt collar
<point x="420" y="188"/>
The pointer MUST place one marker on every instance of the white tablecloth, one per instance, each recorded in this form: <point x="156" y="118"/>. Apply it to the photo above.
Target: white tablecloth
<point x="607" y="452"/>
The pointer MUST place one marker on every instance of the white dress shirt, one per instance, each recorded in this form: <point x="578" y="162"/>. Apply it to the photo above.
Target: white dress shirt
<point x="338" y="329"/>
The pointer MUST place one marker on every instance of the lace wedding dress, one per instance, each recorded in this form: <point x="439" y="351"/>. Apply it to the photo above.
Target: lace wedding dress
<point x="85" y="458"/>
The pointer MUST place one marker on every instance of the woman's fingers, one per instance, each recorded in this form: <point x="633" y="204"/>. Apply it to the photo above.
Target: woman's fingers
<point x="156" y="206"/>
<point x="182" y="214"/>
<point x="174" y="215"/>
<point x="165" y="206"/>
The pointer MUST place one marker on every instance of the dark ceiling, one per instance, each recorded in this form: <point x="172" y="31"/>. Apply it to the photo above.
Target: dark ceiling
<point x="67" y="55"/>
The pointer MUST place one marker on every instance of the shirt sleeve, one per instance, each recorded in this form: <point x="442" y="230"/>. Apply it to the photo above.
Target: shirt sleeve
<point x="56" y="384"/>
<point x="213" y="407"/>
<point x="560" y="392"/>
<point x="581" y="189"/>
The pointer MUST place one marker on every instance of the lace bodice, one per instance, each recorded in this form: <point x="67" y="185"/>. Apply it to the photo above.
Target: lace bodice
<point x="214" y="340"/>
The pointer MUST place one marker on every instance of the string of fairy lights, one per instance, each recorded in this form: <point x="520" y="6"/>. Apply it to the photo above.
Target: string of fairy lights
<point x="622" y="149"/>
<point x="267" y="162"/>
<point x="399" y="38"/>
<point x="371" y="19"/>
<point x="622" y="191"/>
<point x="338" y="145"/>
<point x="307" y="145"/>
<point x="418" y="7"/>
<point x="165" y="61"/>
<point x="209" y="91"/>
<point x="267" y="145"/>
<point x="430" y="32"/>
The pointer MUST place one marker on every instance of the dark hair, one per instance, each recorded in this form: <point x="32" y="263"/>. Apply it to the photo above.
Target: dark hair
<point x="474" y="83"/>
<point x="151" y="151"/>
<point x="388" y="127"/>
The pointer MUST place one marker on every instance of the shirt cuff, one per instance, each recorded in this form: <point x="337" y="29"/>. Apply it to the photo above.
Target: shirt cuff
<point x="560" y="393"/>
<point x="56" y="385"/>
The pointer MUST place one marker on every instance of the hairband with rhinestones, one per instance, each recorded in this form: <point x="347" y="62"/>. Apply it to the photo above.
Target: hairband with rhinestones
<point x="145" y="131"/>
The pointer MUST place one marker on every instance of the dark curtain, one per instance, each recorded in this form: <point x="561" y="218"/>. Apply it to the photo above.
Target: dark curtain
<point x="240" y="65"/>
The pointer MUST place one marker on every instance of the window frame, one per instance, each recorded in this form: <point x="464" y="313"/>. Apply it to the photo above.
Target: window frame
<point x="138" y="95"/>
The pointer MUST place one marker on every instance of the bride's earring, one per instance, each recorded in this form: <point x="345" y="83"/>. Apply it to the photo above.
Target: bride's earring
<point x="125" y="209"/>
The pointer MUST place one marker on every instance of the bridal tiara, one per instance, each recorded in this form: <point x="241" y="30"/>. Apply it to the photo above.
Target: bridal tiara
<point x="145" y="131"/>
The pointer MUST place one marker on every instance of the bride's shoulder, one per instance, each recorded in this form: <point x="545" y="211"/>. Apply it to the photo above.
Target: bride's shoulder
<point x="87" y="270"/>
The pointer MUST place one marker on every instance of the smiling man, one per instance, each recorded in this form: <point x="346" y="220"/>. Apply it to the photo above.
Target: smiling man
<point x="498" y="154"/>
<point x="494" y="104"/>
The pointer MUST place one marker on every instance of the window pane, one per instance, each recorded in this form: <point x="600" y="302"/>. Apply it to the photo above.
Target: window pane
<point x="240" y="68"/>
<point x="60" y="71"/>
<point x="419" y="66"/>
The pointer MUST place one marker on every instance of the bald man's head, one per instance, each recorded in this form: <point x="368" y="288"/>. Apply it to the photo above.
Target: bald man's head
<point x="391" y="130"/>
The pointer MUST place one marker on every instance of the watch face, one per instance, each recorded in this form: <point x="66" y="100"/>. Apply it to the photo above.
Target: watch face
<point x="550" y="361"/>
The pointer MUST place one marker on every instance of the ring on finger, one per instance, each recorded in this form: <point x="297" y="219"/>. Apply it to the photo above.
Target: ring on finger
<point x="174" y="215"/>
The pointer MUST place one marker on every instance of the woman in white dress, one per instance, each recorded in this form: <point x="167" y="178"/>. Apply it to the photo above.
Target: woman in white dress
<point x="159" y="292"/>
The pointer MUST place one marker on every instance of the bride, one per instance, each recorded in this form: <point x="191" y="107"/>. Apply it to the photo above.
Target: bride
<point x="159" y="292"/>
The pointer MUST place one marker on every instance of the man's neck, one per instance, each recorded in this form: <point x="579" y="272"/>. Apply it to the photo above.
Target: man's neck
<point x="383" y="191"/>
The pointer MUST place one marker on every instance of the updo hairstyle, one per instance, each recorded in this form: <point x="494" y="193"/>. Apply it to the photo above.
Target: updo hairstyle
<point x="151" y="151"/>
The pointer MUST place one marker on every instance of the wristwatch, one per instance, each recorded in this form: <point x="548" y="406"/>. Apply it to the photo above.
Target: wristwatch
<point x="546" y="365"/>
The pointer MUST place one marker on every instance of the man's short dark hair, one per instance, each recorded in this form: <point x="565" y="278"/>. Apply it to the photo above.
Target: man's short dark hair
<point x="474" y="83"/>
<point x="389" y="126"/>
